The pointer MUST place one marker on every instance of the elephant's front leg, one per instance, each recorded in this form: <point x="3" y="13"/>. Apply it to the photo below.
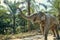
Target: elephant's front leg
<point x="46" y="30"/>
<point x="42" y="29"/>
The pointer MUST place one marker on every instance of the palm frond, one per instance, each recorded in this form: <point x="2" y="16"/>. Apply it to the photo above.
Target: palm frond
<point x="45" y="6"/>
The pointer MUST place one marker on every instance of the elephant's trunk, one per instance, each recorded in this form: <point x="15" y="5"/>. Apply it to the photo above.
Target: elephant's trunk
<point x="25" y="17"/>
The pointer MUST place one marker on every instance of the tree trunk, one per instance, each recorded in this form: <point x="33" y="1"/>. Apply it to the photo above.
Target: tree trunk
<point x="29" y="7"/>
<point x="28" y="23"/>
<point x="14" y="27"/>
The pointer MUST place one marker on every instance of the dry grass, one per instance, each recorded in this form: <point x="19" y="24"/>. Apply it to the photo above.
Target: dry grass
<point x="20" y="35"/>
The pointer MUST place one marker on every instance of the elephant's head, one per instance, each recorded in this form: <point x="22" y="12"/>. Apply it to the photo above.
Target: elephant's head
<point x="35" y="18"/>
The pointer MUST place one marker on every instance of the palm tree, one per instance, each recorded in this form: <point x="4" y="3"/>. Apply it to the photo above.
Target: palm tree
<point x="12" y="7"/>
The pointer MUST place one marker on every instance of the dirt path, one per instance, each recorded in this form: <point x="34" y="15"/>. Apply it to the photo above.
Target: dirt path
<point x="36" y="37"/>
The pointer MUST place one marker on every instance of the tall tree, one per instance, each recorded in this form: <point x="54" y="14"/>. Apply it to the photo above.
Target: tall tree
<point x="29" y="7"/>
<point x="12" y="7"/>
<point x="28" y="23"/>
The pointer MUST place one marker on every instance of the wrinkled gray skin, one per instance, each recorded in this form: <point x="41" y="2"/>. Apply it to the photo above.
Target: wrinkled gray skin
<point x="46" y="21"/>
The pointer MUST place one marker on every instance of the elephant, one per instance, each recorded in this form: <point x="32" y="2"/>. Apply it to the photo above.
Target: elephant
<point x="46" y="21"/>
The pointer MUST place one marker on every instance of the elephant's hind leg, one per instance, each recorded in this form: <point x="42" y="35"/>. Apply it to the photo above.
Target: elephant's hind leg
<point x="57" y="33"/>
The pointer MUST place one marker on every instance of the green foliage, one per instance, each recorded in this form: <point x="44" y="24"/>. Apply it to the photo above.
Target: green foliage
<point x="12" y="21"/>
<point x="4" y="21"/>
<point x="12" y="7"/>
<point x="55" y="6"/>
<point x="24" y="29"/>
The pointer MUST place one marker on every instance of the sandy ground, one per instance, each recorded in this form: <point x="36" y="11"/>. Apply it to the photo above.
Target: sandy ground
<point x="37" y="37"/>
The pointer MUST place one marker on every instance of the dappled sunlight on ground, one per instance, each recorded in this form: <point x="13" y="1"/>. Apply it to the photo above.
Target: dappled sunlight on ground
<point x="27" y="36"/>
<point x="36" y="37"/>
